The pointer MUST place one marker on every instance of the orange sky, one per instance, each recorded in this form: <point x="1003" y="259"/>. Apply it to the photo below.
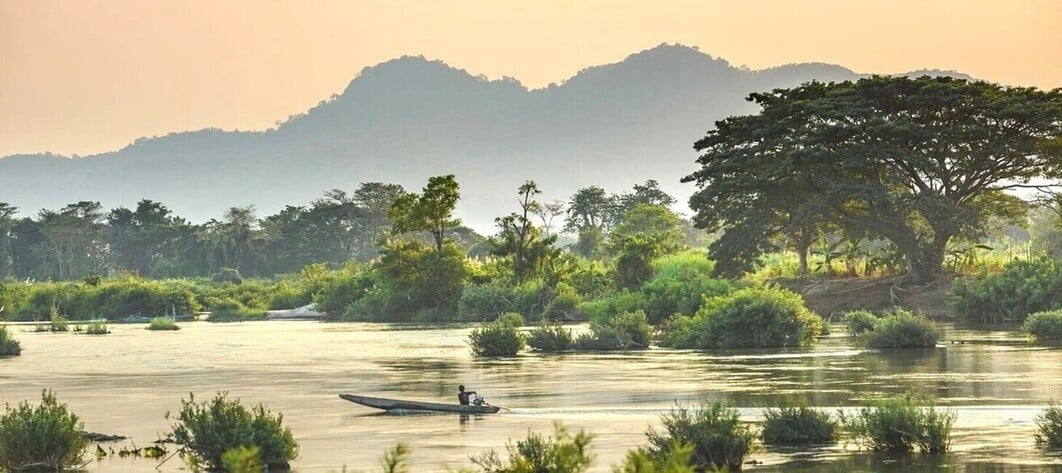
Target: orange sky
<point x="90" y="76"/>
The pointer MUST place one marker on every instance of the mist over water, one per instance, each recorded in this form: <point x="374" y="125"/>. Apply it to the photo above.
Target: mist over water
<point x="125" y="382"/>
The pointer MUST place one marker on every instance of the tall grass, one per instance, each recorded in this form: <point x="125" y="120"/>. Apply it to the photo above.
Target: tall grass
<point x="1049" y="427"/>
<point x="162" y="323"/>
<point x="563" y="452"/>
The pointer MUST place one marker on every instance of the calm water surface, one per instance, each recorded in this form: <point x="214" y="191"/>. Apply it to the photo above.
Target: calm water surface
<point x="125" y="382"/>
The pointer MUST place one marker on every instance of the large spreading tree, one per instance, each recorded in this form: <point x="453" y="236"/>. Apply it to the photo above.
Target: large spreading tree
<point x="917" y="161"/>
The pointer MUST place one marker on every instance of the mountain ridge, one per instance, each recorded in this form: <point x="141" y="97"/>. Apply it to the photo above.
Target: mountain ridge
<point x="403" y="120"/>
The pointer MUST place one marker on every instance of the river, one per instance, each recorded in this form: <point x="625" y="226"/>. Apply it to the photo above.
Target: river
<point x="125" y="382"/>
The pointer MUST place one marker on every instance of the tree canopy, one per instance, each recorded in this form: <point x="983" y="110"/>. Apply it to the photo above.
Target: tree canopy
<point x="917" y="161"/>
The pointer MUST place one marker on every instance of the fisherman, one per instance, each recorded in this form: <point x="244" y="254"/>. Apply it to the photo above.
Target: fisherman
<point x="462" y="395"/>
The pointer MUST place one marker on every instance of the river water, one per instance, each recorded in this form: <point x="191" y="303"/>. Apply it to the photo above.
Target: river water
<point x="125" y="382"/>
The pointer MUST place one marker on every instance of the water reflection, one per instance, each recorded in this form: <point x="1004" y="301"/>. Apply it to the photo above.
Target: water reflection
<point x="125" y="382"/>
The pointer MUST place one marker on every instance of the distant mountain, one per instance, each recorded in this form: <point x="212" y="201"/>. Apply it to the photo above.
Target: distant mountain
<point x="410" y="118"/>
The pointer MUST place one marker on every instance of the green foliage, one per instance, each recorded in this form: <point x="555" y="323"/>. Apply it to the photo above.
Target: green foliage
<point x="485" y="302"/>
<point x="227" y="275"/>
<point x="162" y="323"/>
<point x="1022" y="288"/>
<point x="341" y="290"/>
<point x="44" y="437"/>
<point x="231" y="310"/>
<point x="754" y="317"/>
<point x="902" y="329"/>
<point x="626" y="331"/>
<point x="431" y="211"/>
<point x="531" y="298"/>
<point x="564" y="305"/>
<point x="551" y="339"/>
<point x="799" y="424"/>
<point x="8" y="345"/>
<point x="1044" y="326"/>
<point x="900" y="424"/>
<point x="59" y="323"/>
<point x="603" y="309"/>
<point x="499" y="338"/>
<point x="1049" y="427"/>
<point x="97" y="327"/>
<point x="561" y="453"/>
<point x="718" y="438"/>
<point x="396" y="460"/>
<point x="412" y="282"/>
<point x="209" y="429"/>
<point x="243" y="459"/>
<point x="590" y="278"/>
<point x="677" y="459"/>
<point x="858" y="322"/>
<point x="679" y="286"/>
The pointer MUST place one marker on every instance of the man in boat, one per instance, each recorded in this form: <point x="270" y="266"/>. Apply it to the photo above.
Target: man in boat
<point x="462" y="395"/>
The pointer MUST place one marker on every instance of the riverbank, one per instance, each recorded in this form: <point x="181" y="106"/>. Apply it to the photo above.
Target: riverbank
<point x="832" y="297"/>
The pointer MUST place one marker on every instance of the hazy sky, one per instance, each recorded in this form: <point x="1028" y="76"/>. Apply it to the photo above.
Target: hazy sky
<point x="83" y="77"/>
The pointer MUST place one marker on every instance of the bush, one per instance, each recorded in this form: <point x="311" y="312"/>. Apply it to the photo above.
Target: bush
<point x="718" y="438"/>
<point x="603" y="309"/>
<point x="1049" y="427"/>
<point x="755" y="317"/>
<point x="485" y="302"/>
<point x="1024" y="287"/>
<point x="626" y="331"/>
<point x="45" y="437"/>
<point x="858" y="322"/>
<point x="677" y="459"/>
<point x="794" y="425"/>
<point x="1044" y="326"/>
<point x="162" y="323"/>
<point x="564" y="305"/>
<point x="551" y="339"/>
<point x="899" y="424"/>
<point x="58" y="323"/>
<point x="208" y="430"/>
<point x="231" y="310"/>
<point x="8" y="345"/>
<point x="97" y="327"/>
<point x="902" y="329"/>
<point x="561" y="453"/>
<point x="679" y="285"/>
<point x="227" y="275"/>
<point x="499" y="338"/>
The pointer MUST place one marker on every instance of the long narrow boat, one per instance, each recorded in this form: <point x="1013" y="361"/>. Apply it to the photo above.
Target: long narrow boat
<point x="418" y="406"/>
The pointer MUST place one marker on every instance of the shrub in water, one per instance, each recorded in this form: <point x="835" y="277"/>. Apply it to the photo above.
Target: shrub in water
<point x="678" y="459"/>
<point x="1049" y="427"/>
<point x="499" y="338"/>
<point x="630" y="330"/>
<point x="1022" y="288"/>
<point x="550" y="339"/>
<point x="858" y="322"/>
<point x="243" y="459"/>
<point x="231" y="310"/>
<point x="902" y="329"/>
<point x="8" y="345"/>
<point x="97" y="327"/>
<point x="45" y="437"/>
<point x="209" y="429"/>
<point x="755" y="317"/>
<point x="1044" y="326"/>
<point x="899" y="425"/>
<point x="564" y="305"/>
<point x="602" y="309"/>
<point x="794" y="425"/>
<point x="563" y="452"/>
<point x="162" y="323"/>
<point x="718" y="438"/>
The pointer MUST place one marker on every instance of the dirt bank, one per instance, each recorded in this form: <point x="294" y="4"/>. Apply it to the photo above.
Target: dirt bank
<point x="832" y="297"/>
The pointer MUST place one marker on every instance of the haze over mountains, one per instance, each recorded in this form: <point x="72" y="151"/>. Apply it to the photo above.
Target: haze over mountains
<point x="410" y="118"/>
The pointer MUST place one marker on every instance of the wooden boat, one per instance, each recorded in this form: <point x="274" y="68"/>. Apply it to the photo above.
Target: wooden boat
<point x="418" y="406"/>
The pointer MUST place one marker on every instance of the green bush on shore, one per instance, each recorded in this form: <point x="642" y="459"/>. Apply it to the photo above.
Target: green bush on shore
<point x="209" y="429"/>
<point x="8" y="345"/>
<point x="902" y="329"/>
<point x="755" y="317"/>
<point x="1044" y="326"/>
<point x="44" y="437"/>
<point x="900" y="424"/>
<point x="1024" y="287"/>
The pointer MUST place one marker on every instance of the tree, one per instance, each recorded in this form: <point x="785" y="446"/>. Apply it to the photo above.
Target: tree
<point x="588" y="212"/>
<point x="375" y="200"/>
<point x="519" y="238"/>
<point x="917" y="161"/>
<point x="645" y="232"/>
<point x="7" y="223"/>
<point x="431" y="210"/>
<point x="74" y="240"/>
<point x="139" y="239"/>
